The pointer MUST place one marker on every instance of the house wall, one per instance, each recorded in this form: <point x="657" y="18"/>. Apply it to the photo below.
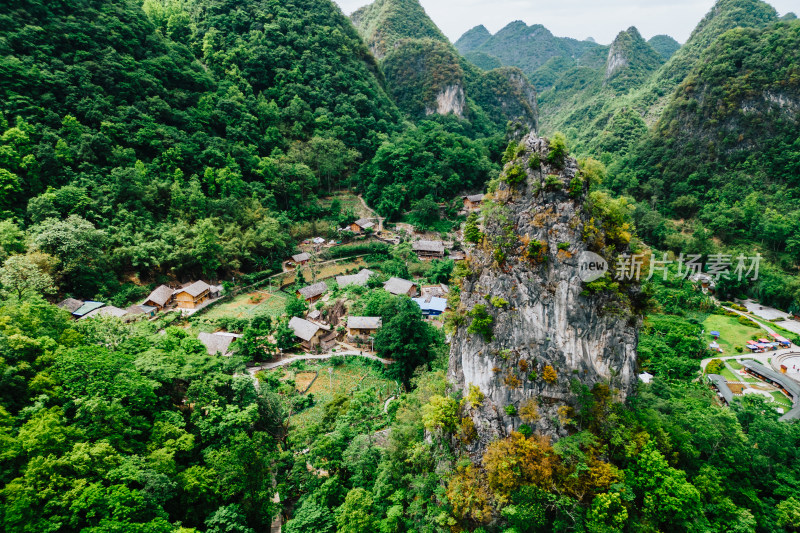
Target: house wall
<point x="361" y="332"/>
<point x="185" y="300"/>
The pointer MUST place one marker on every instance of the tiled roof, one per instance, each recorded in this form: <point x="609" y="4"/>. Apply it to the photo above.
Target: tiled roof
<point x="364" y="322"/>
<point x="87" y="308"/>
<point x="398" y="286"/>
<point x="303" y="328"/>
<point x="216" y="343"/>
<point x="428" y="246"/>
<point x="71" y="304"/>
<point x="313" y="290"/>
<point x="195" y="289"/>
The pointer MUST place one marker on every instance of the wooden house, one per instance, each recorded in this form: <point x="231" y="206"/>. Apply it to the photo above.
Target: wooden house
<point x="429" y="249"/>
<point x="363" y="326"/>
<point x="193" y="296"/>
<point x="314" y="292"/>
<point x="310" y="334"/>
<point x="301" y="259"/>
<point x="160" y="298"/>
<point x="400" y="287"/>
<point x="361" y="224"/>
<point x="473" y="202"/>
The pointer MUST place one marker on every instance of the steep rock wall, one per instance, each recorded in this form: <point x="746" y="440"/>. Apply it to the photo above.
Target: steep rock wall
<point x="549" y="319"/>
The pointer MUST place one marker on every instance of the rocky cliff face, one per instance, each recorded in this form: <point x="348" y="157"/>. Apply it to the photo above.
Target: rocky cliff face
<point x="548" y="328"/>
<point x="449" y="100"/>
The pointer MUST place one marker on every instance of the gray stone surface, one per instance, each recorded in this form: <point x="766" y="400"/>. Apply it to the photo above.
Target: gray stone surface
<point x="547" y="321"/>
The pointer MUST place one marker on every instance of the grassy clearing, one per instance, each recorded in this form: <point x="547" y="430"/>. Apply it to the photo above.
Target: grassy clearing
<point x="781" y="399"/>
<point x="344" y="379"/>
<point x="348" y="201"/>
<point x="732" y="333"/>
<point x="735" y="364"/>
<point x="327" y="271"/>
<point x="249" y="305"/>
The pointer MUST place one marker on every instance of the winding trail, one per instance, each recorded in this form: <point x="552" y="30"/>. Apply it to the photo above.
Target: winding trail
<point x="372" y="211"/>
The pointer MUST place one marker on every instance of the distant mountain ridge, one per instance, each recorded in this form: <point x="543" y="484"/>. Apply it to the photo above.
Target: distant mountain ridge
<point x="526" y="47"/>
<point x="426" y="75"/>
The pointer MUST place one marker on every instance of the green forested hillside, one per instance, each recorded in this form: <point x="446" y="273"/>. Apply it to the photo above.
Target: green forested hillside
<point x="664" y="45"/>
<point x="631" y="60"/>
<point x="726" y="148"/>
<point x="384" y="22"/>
<point x="526" y="47"/>
<point x="113" y="427"/>
<point x="426" y="75"/>
<point x="572" y="101"/>
<point x="171" y="129"/>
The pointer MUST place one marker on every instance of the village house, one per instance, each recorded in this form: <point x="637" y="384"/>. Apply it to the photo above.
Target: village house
<point x="439" y="291"/>
<point x="71" y="304"/>
<point x="108" y="310"/>
<point x="159" y="298"/>
<point x="314" y="292"/>
<point x="218" y="343"/>
<point x="310" y="334"/>
<point x="429" y="249"/>
<point x="361" y="224"/>
<point x="473" y="202"/>
<point x="400" y="287"/>
<point x="359" y="279"/>
<point x="139" y="311"/>
<point x="87" y="308"/>
<point x="431" y="306"/>
<point x="192" y="296"/>
<point x="301" y="259"/>
<point x="363" y="326"/>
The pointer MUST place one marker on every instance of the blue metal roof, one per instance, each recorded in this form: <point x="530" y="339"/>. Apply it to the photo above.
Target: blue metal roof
<point x="435" y="304"/>
<point x="87" y="307"/>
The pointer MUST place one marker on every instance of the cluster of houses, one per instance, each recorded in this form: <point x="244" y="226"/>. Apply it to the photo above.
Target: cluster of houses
<point x="313" y="333"/>
<point x="190" y="296"/>
<point x="89" y="309"/>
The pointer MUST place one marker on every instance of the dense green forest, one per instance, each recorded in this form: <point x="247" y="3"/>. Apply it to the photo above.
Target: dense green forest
<point x="153" y="141"/>
<point x="177" y="139"/>
<point x="426" y="75"/>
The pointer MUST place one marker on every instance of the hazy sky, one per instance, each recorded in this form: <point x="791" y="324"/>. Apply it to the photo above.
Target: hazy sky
<point x="572" y="18"/>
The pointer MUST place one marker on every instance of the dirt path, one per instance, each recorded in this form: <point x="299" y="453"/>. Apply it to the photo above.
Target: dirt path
<point x="372" y="212"/>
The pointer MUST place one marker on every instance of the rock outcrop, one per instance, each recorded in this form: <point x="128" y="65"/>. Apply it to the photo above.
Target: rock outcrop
<point x="547" y="329"/>
<point x="449" y="100"/>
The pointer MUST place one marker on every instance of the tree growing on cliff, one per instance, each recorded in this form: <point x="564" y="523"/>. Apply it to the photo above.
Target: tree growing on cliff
<point x="482" y="323"/>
